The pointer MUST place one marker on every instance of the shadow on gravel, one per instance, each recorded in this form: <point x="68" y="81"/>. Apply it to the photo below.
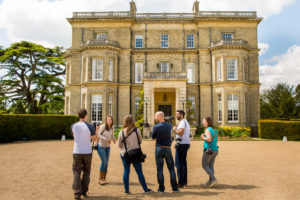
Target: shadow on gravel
<point x="224" y="186"/>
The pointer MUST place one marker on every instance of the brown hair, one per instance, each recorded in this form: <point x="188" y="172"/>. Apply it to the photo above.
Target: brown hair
<point x="82" y="113"/>
<point x="209" y="122"/>
<point x="106" y="124"/>
<point x="129" y="123"/>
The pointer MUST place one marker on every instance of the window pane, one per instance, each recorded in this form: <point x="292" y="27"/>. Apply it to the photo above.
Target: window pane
<point x="96" y="108"/>
<point x="139" y="41"/>
<point x="164" y="67"/>
<point x="138" y="72"/>
<point x="164" y="41"/>
<point x="190" y="41"/>
<point x="219" y="70"/>
<point x="191" y="72"/>
<point x="232" y="69"/>
<point x="233" y="108"/>
<point x="111" y="68"/>
<point x="101" y="36"/>
<point x="227" y="36"/>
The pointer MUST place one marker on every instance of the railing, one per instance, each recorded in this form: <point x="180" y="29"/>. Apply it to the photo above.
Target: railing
<point x="201" y="14"/>
<point x="246" y="14"/>
<point x="101" y="14"/>
<point x="230" y="42"/>
<point x="102" y="42"/>
<point x="164" y="75"/>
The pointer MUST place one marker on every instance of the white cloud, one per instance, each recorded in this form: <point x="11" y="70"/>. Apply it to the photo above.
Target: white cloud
<point x="286" y="70"/>
<point x="44" y="21"/>
<point x="264" y="47"/>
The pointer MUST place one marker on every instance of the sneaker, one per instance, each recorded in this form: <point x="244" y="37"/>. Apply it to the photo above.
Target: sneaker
<point x="206" y="184"/>
<point x="149" y="191"/>
<point x="77" y="196"/>
<point x="85" y="195"/>
<point x="176" y="190"/>
<point x="213" y="183"/>
<point x="127" y="192"/>
<point x="160" y="191"/>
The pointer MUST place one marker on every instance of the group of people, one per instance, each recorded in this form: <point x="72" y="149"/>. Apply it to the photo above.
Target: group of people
<point x="129" y="140"/>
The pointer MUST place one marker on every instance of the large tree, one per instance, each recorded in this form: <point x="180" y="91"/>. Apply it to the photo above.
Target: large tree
<point x="279" y="102"/>
<point x="33" y="77"/>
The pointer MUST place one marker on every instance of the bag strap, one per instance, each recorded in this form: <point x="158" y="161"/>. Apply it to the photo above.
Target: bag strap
<point x="124" y="140"/>
<point x="135" y="130"/>
<point x="212" y="138"/>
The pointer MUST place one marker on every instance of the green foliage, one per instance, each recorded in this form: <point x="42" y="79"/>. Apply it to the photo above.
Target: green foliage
<point x="190" y="113"/>
<point x="276" y="129"/>
<point x="227" y="131"/>
<point x="116" y="132"/>
<point x="35" y="127"/>
<point x="139" y="123"/>
<point x="34" y="77"/>
<point x="279" y="102"/>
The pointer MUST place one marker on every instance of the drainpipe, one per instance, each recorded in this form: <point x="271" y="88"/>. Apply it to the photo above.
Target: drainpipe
<point x="199" y="104"/>
<point x="211" y="88"/>
<point x="117" y="96"/>
<point x="130" y="66"/>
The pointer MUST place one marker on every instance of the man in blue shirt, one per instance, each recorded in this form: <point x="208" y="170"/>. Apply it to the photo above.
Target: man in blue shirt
<point x="162" y="133"/>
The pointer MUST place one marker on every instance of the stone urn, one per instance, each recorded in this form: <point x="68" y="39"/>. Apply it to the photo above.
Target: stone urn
<point x="193" y="131"/>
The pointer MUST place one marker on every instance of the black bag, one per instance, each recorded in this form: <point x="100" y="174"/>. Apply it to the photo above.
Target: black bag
<point x="209" y="150"/>
<point x="133" y="155"/>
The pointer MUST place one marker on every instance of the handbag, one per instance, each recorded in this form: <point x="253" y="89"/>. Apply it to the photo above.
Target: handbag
<point x="133" y="155"/>
<point x="95" y="147"/>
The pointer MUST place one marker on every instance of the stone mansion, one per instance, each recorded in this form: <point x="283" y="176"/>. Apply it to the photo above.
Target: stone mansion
<point x="207" y="57"/>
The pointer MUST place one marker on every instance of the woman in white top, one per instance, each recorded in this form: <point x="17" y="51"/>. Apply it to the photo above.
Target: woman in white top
<point x="105" y="136"/>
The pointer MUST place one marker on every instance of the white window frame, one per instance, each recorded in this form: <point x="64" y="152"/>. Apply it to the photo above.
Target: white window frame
<point x="138" y="72"/>
<point x="96" y="108"/>
<point x="164" y="67"/>
<point x="138" y="41"/>
<point x="110" y="105"/>
<point x="190" y="41"/>
<point x="190" y="71"/>
<point x="164" y="41"/>
<point x="220" y="108"/>
<point x="101" y="36"/>
<point x="97" y="69"/>
<point x="111" y="70"/>
<point x="219" y="70"/>
<point x="227" y="36"/>
<point x="232" y="69"/>
<point x="233" y="108"/>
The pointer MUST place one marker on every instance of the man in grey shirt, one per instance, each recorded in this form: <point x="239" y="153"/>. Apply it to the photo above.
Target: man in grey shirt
<point x="82" y="132"/>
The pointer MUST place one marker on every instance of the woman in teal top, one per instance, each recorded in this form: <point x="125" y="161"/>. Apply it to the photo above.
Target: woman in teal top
<point x="210" y="151"/>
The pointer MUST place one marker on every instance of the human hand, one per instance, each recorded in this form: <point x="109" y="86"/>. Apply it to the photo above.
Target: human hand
<point x="174" y="128"/>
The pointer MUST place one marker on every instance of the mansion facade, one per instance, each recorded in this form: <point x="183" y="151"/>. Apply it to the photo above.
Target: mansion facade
<point x="207" y="57"/>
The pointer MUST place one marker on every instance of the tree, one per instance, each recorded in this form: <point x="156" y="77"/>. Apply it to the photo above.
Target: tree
<point x="140" y="112"/>
<point x="190" y="113"/>
<point x="279" y="102"/>
<point x="34" y="76"/>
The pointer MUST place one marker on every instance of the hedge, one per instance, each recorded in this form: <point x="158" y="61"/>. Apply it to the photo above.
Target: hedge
<point x="276" y="129"/>
<point x="35" y="127"/>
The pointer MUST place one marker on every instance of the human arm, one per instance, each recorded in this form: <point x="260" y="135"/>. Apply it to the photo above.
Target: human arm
<point x="120" y="138"/>
<point x="206" y="136"/>
<point x="154" y="133"/>
<point x="179" y="130"/>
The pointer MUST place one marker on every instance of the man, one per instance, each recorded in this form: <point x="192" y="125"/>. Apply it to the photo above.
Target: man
<point x="162" y="133"/>
<point x="183" y="144"/>
<point x="82" y="132"/>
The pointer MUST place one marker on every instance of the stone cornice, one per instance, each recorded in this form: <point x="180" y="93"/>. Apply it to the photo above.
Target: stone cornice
<point x="164" y="51"/>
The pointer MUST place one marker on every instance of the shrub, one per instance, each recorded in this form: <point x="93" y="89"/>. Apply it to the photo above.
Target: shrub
<point x="35" y="127"/>
<point x="276" y="129"/>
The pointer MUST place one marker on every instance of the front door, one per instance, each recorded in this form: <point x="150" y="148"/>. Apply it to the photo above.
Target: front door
<point x="167" y="109"/>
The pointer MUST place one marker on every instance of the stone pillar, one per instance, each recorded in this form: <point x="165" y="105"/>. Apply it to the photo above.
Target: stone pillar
<point x="196" y="7"/>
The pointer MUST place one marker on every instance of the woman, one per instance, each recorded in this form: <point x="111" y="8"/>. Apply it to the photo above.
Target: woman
<point x="210" y="152"/>
<point x="105" y="135"/>
<point x="132" y="138"/>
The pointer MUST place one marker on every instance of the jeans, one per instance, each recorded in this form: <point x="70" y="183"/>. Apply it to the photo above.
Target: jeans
<point x="81" y="162"/>
<point x="208" y="161"/>
<point x="162" y="153"/>
<point x="138" y="170"/>
<point x="181" y="163"/>
<point x="103" y="153"/>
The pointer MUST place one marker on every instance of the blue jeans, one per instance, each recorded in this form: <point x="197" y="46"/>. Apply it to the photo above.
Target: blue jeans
<point x="181" y="163"/>
<point x="162" y="153"/>
<point x="103" y="153"/>
<point x="138" y="170"/>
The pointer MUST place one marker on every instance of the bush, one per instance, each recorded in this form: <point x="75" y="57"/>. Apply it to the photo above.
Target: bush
<point x="224" y="131"/>
<point x="276" y="129"/>
<point x="35" y="127"/>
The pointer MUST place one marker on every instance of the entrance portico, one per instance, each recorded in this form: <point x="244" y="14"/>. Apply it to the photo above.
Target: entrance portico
<point x="163" y="93"/>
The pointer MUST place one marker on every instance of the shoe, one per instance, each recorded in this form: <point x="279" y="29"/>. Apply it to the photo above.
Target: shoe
<point x="213" y="183"/>
<point x="101" y="178"/>
<point x="127" y="192"/>
<point x="149" y="191"/>
<point x="160" y="191"/>
<point x="176" y="190"/>
<point x="180" y="186"/>
<point x="104" y="177"/>
<point x="85" y="196"/>
<point x="77" y="196"/>
<point x="206" y="184"/>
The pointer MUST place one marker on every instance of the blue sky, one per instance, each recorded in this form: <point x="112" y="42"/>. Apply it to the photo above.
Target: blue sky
<point x="44" y="22"/>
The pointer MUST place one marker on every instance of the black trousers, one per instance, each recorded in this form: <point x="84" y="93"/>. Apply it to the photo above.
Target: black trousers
<point x="81" y="162"/>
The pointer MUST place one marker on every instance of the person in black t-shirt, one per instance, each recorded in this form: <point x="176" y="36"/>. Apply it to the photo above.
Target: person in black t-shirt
<point x="162" y="133"/>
